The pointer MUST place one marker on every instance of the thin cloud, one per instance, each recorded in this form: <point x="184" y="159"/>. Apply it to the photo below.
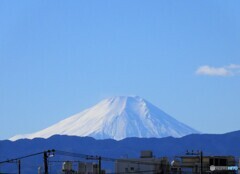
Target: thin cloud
<point x="230" y="70"/>
<point x="233" y="66"/>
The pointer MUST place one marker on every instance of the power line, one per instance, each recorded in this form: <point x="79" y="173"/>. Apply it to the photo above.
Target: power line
<point x="89" y="157"/>
<point x="141" y="161"/>
<point x="26" y="156"/>
<point x="18" y="159"/>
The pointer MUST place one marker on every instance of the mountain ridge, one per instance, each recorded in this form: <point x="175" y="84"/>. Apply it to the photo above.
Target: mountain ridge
<point x="211" y="144"/>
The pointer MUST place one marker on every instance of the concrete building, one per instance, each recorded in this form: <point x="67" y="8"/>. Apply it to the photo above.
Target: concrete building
<point x="67" y="167"/>
<point x="210" y="164"/>
<point x="82" y="168"/>
<point x="147" y="163"/>
<point x="87" y="168"/>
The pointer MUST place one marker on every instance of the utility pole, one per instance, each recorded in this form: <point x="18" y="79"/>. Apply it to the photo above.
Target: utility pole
<point x="201" y="162"/>
<point x="200" y="154"/>
<point x="19" y="166"/>
<point x="46" y="154"/>
<point x="45" y="159"/>
<point x="99" y="165"/>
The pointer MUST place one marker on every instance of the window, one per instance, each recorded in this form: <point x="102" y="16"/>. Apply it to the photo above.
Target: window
<point x="211" y="161"/>
<point x="223" y="162"/>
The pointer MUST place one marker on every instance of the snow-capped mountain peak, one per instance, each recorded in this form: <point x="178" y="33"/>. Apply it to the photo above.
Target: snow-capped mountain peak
<point x="117" y="118"/>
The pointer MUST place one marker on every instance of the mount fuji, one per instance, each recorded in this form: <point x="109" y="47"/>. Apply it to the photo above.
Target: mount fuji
<point x="117" y="118"/>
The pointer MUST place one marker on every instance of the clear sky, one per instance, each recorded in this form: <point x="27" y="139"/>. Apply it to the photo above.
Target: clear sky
<point x="60" y="57"/>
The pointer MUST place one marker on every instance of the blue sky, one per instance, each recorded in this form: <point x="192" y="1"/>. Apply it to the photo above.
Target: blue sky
<point x="60" y="57"/>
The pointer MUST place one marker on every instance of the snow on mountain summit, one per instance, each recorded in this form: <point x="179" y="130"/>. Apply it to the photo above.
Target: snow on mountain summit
<point x="117" y="118"/>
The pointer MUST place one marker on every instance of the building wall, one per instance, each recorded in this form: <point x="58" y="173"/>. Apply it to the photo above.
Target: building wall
<point x="141" y="165"/>
<point x="193" y="163"/>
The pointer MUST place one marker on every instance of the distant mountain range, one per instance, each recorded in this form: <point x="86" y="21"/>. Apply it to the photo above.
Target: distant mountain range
<point x="210" y="144"/>
<point x="117" y="118"/>
<point x="117" y="127"/>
